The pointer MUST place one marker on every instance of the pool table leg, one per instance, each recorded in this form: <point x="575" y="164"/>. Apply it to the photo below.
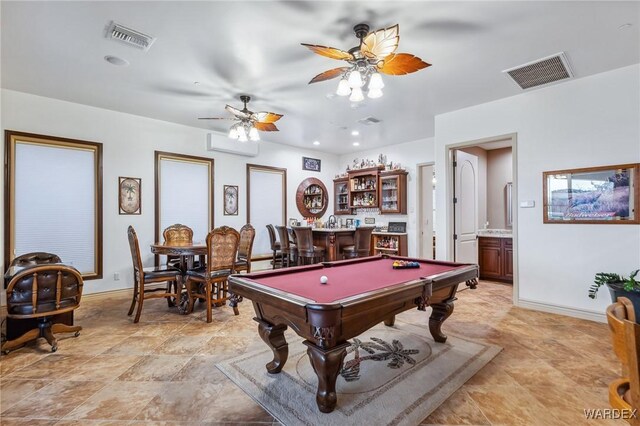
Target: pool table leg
<point x="273" y="336"/>
<point x="327" y="364"/>
<point x="390" y="321"/>
<point x="441" y="311"/>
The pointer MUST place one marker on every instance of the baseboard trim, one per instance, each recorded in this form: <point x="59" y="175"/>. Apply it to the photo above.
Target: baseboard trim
<point x="563" y="310"/>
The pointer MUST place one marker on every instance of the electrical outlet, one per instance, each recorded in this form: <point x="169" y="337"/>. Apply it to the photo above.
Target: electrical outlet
<point x="116" y="276"/>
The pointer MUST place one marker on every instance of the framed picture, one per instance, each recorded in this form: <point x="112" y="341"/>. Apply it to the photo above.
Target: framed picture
<point x="400" y="227"/>
<point x="293" y="222"/>
<point x="230" y="200"/>
<point x="349" y="223"/>
<point x="608" y="194"/>
<point x="130" y="195"/>
<point x="370" y="220"/>
<point x="312" y="164"/>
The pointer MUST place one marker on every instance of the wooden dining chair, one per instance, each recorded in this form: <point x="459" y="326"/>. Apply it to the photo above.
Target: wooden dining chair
<point x="307" y="252"/>
<point x="177" y="234"/>
<point x="287" y="250"/>
<point x="245" y="247"/>
<point x="150" y="275"/>
<point x="275" y="247"/>
<point x="362" y="243"/>
<point x="211" y="280"/>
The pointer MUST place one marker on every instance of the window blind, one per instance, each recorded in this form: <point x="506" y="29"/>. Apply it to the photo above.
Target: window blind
<point x="266" y="205"/>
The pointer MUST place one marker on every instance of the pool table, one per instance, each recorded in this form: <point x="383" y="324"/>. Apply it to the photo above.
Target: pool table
<point x="359" y="294"/>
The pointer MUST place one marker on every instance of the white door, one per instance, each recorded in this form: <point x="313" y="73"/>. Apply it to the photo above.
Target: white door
<point x="426" y="212"/>
<point x="465" y="207"/>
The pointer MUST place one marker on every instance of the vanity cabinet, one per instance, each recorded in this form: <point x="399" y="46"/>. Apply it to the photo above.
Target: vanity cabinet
<point x="495" y="258"/>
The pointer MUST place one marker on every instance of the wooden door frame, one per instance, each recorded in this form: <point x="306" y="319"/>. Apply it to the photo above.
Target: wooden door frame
<point x="419" y="194"/>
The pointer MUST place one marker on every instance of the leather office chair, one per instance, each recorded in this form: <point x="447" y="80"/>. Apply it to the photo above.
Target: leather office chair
<point x="275" y="247"/>
<point x="222" y="252"/>
<point x="143" y="276"/>
<point x="245" y="247"/>
<point x="362" y="243"/>
<point x="307" y="252"/>
<point x="624" y="393"/>
<point x="42" y="291"/>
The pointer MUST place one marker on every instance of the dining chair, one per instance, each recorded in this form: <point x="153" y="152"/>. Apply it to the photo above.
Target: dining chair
<point x="150" y="275"/>
<point x="177" y="234"/>
<point x="307" y="252"/>
<point x="222" y="252"/>
<point x="35" y="258"/>
<point x="245" y="247"/>
<point x="362" y="243"/>
<point x="288" y="251"/>
<point x="275" y="247"/>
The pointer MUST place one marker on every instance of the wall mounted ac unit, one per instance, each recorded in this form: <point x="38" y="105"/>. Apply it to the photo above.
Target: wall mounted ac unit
<point x="222" y="143"/>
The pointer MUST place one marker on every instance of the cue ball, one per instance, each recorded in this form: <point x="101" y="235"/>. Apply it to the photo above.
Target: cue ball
<point x="324" y="279"/>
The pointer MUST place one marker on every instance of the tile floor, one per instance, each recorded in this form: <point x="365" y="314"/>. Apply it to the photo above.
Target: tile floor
<point x="161" y="371"/>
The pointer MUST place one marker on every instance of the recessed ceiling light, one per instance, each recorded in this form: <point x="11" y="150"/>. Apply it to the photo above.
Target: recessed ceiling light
<point x="356" y="144"/>
<point x="625" y="26"/>
<point x="197" y="83"/>
<point x="316" y="143"/>
<point x="355" y="133"/>
<point x="114" y="60"/>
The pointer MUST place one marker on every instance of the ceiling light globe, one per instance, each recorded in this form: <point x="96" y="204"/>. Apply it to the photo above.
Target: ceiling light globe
<point x="356" y="95"/>
<point x="233" y="133"/>
<point x="242" y="134"/>
<point x="253" y="134"/>
<point x="343" y="88"/>
<point x="355" y="79"/>
<point x="374" y="93"/>
<point x="375" y="81"/>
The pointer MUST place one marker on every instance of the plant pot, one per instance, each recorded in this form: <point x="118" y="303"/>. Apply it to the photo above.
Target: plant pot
<point x="617" y="290"/>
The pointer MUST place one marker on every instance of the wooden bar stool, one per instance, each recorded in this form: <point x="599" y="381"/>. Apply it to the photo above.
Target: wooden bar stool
<point x="289" y="251"/>
<point x="362" y="244"/>
<point x="307" y="252"/>
<point x="275" y="247"/>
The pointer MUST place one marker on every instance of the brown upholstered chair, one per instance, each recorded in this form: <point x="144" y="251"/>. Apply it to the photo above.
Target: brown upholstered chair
<point x="245" y="247"/>
<point x="36" y="258"/>
<point x="362" y="243"/>
<point x="177" y="234"/>
<point x="275" y="247"/>
<point x="143" y="276"/>
<point x="624" y="393"/>
<point x="42" y="291"/>
<point x="307" y="252"/>
<point x="289" y="252"/>
<point x="210" y="280"/>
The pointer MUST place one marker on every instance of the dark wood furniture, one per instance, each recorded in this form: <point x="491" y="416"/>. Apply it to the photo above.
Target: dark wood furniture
<point x="275" y="247"/>
<point x="341" y="196"/>
<point x="495" y="257"/>
<point x="362" y="243"/>
<point x="327" y="315"/>
<point x="312" y="199"/>
<point x="177" y="234"/>
<point x="391" y="243"/>
<point x="143" y="276"/>
<point x="364" y="188"/>
<point x="307" y="252"/>
<point x="42" y="291"/>
<point x="204" y="282"/>
<point x="288" y="251"/>
<point x="393" y="192"/>
<point x="624" y="393"/>
<point x="332" y="241"/>
<point x="245" y="247"/>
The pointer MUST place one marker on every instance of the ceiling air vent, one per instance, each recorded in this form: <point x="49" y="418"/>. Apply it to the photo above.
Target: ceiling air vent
<point x="130" y="37"/>
<point x="541" y="72"/>
<point x="368" y="121"/>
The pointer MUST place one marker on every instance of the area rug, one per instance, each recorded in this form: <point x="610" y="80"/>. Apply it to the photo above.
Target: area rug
<point x="391" y="376"/>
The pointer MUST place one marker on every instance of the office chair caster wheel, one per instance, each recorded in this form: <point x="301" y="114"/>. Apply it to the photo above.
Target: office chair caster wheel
<point x="76" y="334"/>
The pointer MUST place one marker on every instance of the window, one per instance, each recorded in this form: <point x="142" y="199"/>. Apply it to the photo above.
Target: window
<point x="184" y="193"/>
<point x="266" y="204"/>
<point x="53" y="199"/>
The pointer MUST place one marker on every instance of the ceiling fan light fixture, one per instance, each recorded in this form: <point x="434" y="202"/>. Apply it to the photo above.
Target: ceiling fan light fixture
<point x="355" y="79"/>
<point x="242" y="134"/>
<point x="356" y="95"/>
<point x="343" y="88"/>
<point x="233" y="133"/>
<point x="375" y="81"/>
<point x="253" y="134"/>
<point x="374" y="93"/>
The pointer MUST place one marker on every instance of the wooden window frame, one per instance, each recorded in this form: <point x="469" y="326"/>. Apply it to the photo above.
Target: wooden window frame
<point x="11" y="138"/>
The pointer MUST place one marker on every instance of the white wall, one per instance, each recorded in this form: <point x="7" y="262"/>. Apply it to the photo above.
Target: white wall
<point x="129" y="143"/>
<point x="590" y="121"/>
<point x="499" y="173"/>
<point x="409" y="155"/>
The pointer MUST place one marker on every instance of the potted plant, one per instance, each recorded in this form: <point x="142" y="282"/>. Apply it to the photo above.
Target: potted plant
<point x="619" y="286"/>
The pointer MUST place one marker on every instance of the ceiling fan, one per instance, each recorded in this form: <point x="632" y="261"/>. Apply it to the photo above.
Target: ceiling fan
<point x="374" y="55"/>
<point x="248" y="123"/>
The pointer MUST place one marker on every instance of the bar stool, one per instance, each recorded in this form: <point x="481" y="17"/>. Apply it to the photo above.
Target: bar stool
<point x="287" y="249"/>
<point x="362" y="244"/>
<point x="307" y="252"/>
<point x="275" y="247"/>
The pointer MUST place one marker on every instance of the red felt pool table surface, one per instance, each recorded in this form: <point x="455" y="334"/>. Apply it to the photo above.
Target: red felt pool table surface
<point x="346" y="280"/>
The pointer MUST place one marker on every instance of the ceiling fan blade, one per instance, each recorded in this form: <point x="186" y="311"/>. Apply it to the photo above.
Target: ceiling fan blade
<point x="329" y="52"/>
<point x="401" y="63"/>
<point x="237" y="112"/>
<point x="266" y="117"/>
<point x="379" y="44"/>
<point x="214" y="118"/>
<point x="328" y="75"/>
<point x="265" y="127"/>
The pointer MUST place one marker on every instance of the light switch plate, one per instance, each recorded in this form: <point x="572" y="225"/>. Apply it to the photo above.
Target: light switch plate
<point x="527" y="204"/>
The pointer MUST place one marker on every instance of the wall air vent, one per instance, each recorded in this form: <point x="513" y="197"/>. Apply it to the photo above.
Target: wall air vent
<point x="368" y="121"/>
<point x="541" y="72"/>
<point x="129" y="37"/>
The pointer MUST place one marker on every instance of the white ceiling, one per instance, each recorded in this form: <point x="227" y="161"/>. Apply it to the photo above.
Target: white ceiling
<point x="56" y="49"/>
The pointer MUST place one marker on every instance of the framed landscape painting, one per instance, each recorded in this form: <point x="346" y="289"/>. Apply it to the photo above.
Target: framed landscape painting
<point x="608" y="194"/>
<point x="130" y="195"/>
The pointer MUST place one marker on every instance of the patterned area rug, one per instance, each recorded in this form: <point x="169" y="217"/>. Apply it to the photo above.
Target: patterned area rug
<point x="391" y="375"/>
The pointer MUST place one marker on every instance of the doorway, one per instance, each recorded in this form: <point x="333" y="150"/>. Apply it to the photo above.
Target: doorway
<point x="426" y="211"/>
